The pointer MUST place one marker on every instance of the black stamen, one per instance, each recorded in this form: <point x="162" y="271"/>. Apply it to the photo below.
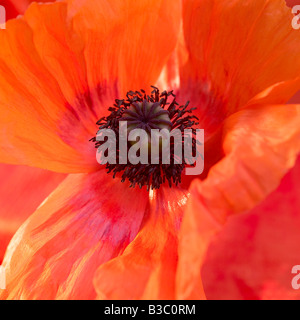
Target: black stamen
<point x="149" y="112"/>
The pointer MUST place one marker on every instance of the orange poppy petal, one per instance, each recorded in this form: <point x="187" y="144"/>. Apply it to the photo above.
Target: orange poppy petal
<point x="136" y="39"/>
<point x="87" y="221"/>
<point x="32" y="103"/>
<point x="276" y="94"/>
<point x="147" y="268"/>
<point x="22" y="189"/>
<point x="236" y="50"/>
<point x="59" y="78"/>
<point x="169" y="78"/>
<point x="260" y="145"/>
<point x="253" y="256"/>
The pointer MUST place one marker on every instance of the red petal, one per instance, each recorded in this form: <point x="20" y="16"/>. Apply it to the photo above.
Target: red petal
<point x="59" y="78"/>
<point x="87" y="221"/>
<point x="22" y="189"/>
<point x="11" y="11"/>
<point x="260" y="146"/>
<point x="292" y="3"/>
<point x="253" y="256"/>
<point x="147" y="268"/>
<point x="16" y="7"/>
<point x="137" y="37"/>
<point x="236" y="50"/>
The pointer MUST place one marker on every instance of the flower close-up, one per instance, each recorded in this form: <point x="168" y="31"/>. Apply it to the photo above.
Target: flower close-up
<point x="75" y="228"/>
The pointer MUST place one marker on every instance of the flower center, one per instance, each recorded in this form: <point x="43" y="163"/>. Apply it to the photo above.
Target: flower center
<point x="147" y="115"/>
<point x="148" y="112"/>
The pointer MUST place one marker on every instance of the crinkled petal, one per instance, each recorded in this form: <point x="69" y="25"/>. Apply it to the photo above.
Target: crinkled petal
<point x="260" y="146"/>
<point x="137" y="39"/>
<point x="22" y="190"/>
<point x="236" y="50"/>
<point x="253" y="256"/>
<point x="147" y="268"/>
<point x="87" y="221"/>
<point x="277" y="94"/>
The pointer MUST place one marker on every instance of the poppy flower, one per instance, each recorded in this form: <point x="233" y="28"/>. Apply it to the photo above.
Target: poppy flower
<point x="94" y="237"/>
